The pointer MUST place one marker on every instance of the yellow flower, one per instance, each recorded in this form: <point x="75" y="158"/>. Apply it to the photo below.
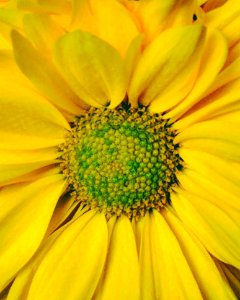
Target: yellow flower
<point x="119" y="126"/>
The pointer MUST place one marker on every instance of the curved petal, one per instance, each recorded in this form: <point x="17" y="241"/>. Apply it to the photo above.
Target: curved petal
<point x="165" y="273"/>
<point x="93" y="68"/>
<point x="212" y="137"/>
<point x="223" y="101"/>
<point x="75" y="261"/>
<point x="42" y="73"/>
<point x="213" y="59"/>
<point x="27" y="121"/>
<point x="226" y="18"/>
<point x="15" y="163"/>
<point x="233" y="277"/>
<point x="105" y="21"/>
<point x="121" y="265"/>
<point x="155" y="16"/>
<point x="24" y="221"/>
<point x="211" y="129"/>
<point x="53" y="6"/>
<point x="42" y="30"/>
<point x="213" y="226"/>
<point x="213" y="286"/>
<point x="166" y="58"/>
<point x="208" y="188"/>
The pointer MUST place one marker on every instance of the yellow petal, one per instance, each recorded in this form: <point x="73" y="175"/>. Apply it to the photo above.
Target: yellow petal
<point x="94" y="69"/>
<point x="213" y="286"/>
<point x="53" y="6"/>
<point x="210" y="189"/>
<point x="12" y="17"/>
<point x="223" y="101"/>
<point x="22" y="282"/>
<point x="230" y="73"/>
<point x="133" y="55"/>
<point x="44" y="75"/>
<point x="162" y="61"/>
<point x="213" y="167"/>
<point x="36" y="174"/>
<point x="121" y="275"/>
<point x="75" y="261"/>
<point x="43" y="31"/>
<point x="10" y="172"/>
<point x="168" y="268"/>
<point x="212" y="129"/>
<point x="28" y="121"/>
<point x="155" y="16"/>
<point x="15" y="157"/>
<point x="233" y="276"/>
<point x="213" y="59"/>
<point x="212" y="137"/>
<point x="20" y="287"/>
<point x="226" y="18"/>
<point x="24" y="221"/>
<point x="212" y="4"/>
<point x="146" y="260"/>
<point x="105" y="21"/>
<point x="212" y="225"/>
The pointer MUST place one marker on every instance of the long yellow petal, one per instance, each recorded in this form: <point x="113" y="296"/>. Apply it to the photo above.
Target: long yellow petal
<point x="212" y="137"/>
<point x="210" y="189"/>
<point x="105" y="21"/>
<point x="162" y="61"/>
<point x="15" y="157"/>
<point x="44" y="75"/>
<point x="15" y="163"/>
<point x="10" y="172"/>
<point x="226" y="18"/>
<point x="24" y="221"/>
<point x="121" y="275"/>
<point x="155" y="16"/>
<point x="213" y="226"/>
<point x="75" y="261"/>
<point x="42" y="30"/>
<point x="212" y="61"/>
<point x="20" y="287"/>
<point x="213" y="286"/>
<point x="172" y="276"/>
<point x="233" y="276"/>
<point x="53" y="6"/>
<point x="224" y="101"/>
<point x="94" y="70"/>
<point x="211" y="129"/>
<point x="28" y="121"/>
<point x="146" y="261"/>
<point x="212" y="167"/>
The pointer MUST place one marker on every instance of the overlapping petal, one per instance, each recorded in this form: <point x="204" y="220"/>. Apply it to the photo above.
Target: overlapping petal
<point x="94" y="70"/>
<point x="164" y="61"/>
<point x="44" y="76"/>
<point x="165" y="273"/>
<point x="79" y="252"/>
<point x="105" y="21"/>
<point x="121" y="265"/>
<point x="210" y="224"/>
<point x="25" y="215"/>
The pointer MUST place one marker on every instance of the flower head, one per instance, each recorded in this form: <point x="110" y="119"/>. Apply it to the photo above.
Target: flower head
<point x="119" y="128"/>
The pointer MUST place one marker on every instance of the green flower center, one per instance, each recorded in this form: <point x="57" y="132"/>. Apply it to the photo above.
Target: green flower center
<point x="121" y="161"/>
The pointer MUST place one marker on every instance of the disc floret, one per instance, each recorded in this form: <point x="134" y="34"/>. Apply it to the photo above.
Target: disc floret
<point x="122" y="161"/>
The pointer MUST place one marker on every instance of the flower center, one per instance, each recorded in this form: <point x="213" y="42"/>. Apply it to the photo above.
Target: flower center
<point x="121" y="161"/>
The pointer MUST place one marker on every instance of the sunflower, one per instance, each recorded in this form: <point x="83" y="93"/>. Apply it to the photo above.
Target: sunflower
<point x="119" y="128"/>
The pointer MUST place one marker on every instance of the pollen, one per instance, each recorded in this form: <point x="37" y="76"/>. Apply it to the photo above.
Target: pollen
<point x="121" y="161"/>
